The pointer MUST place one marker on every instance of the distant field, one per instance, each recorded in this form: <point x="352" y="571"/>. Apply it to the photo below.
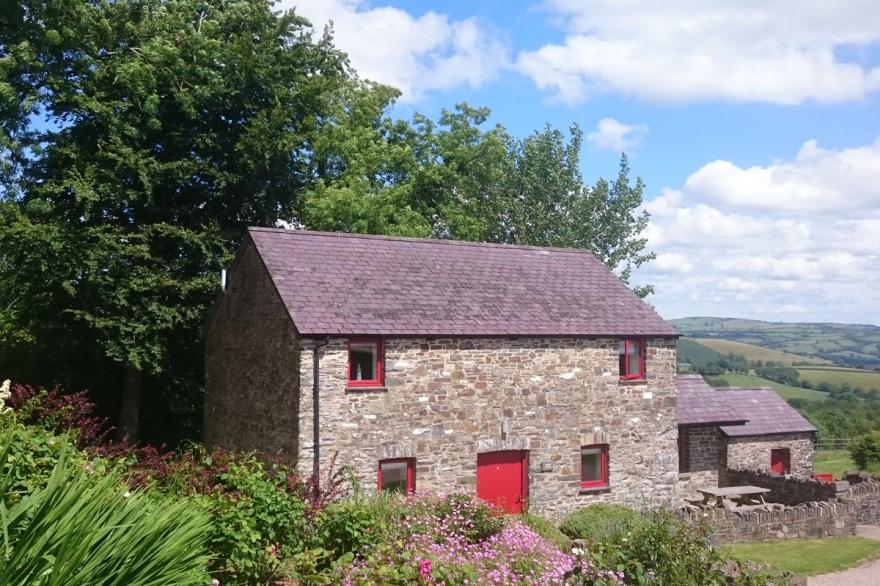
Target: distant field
<point x="853" y="345"/>
<point x="753" y="352"/>
<point x="785" y="391"/>
<point x="866" y="379"/>
<point x="836" y="462"/>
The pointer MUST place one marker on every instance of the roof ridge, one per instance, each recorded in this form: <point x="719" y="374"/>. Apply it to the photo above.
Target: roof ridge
<point x="421" y="240"/>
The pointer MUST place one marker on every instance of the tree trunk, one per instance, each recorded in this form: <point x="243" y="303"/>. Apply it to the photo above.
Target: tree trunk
<point x="130" y="410"/>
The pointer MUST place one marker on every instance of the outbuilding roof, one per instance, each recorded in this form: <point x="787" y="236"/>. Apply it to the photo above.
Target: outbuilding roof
<point x="766" y="413"/>
<point x="353" y="284"/>
<point x="738" y="411"/>
<point x="700" y="404"/>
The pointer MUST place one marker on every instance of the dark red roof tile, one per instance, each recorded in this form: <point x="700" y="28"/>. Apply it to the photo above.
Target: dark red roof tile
<point x="359" y="284"/>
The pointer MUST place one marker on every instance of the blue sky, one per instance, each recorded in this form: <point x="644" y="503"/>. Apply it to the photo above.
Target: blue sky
<point x="756" y="126"/>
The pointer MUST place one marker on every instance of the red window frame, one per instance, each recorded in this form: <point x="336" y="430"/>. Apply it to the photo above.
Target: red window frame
<point x="379" y="380"/>
<point x="641" y="373"/>
<point x="603" y="466"/>
<point x="410" y="472"/>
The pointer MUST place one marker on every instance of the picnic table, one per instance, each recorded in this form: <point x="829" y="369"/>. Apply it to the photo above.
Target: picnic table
<point x="740" y="493"/>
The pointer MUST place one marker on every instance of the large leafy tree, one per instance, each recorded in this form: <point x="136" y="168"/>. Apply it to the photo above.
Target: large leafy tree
<point x="139" y="139"/>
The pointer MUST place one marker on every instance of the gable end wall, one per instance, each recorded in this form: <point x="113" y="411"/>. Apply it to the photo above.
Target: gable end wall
<point x="753" y="452"/>
<point x="251" y="366"/>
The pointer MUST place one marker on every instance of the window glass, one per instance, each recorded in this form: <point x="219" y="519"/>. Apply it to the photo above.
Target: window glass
<point x="394" y="476"/>
<point x="363" y="361"/>
<point x="633" y="359"/>
<point x="591" y="465"/>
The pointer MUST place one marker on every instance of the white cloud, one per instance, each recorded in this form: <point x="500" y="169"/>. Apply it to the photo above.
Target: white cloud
<point x="811" y="253"/>
<point x="817" y="180"/>
<point x="414" y="54"/>
<point x="781" y="52"/>
<point x="613" y="135"/>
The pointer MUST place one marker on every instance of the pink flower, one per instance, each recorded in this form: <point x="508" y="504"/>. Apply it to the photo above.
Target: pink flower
<point x="425" y="570"/>
<point x="215" y="582"/>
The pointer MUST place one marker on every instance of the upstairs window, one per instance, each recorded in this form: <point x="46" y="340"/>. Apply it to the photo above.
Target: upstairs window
<point x="594" y="466"/>
<point x="632" y="359"/>
<point x="397" y="475"/>
<point x="365" y="362"/>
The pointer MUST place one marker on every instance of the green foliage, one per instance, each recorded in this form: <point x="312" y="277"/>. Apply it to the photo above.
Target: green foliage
<point x="31" y="454"/>
<point x="174" y="124"/>
<point x="600" y="523"/>
<point x="256" y="522"/>
<point x="659" y="548"/>
<point x="85" y="528"/>
<point x="865" y="451"/>
<point x="350" y="526"/>
<point x="547" y="529"/>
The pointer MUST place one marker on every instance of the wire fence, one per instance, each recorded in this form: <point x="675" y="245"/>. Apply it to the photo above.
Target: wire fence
<point x="833" y="443"/>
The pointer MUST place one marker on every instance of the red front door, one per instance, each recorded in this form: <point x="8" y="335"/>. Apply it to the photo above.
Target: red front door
<point x="780" y="461"/>
<point x="501" y="479"/>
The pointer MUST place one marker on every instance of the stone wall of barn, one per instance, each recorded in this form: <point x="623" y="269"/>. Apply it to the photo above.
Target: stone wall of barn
<point x="446" y="400"/>
<point x="251" y="366"/>
<point x="753" y="452"/>
<point x="702" y="456"/>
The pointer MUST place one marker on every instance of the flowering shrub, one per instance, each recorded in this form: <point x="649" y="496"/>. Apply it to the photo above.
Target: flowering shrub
<point x="453" y="539"/>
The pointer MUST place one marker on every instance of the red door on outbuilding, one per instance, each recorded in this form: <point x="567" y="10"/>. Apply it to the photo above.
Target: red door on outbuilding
<point x="502" y="479"/>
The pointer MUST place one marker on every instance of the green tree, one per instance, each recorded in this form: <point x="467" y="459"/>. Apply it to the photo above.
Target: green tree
<point x="140" y="138"/>
<point x="172" y="125"/>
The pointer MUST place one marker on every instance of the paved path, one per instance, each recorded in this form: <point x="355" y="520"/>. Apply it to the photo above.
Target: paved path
<point x="865" y="575"/>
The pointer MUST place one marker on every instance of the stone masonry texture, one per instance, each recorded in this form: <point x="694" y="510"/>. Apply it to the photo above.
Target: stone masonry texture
<point x="446" y="400"/>
<point x="251" y="366"/>
<point x="753" y="452"/>
<point x="703" y="455"/>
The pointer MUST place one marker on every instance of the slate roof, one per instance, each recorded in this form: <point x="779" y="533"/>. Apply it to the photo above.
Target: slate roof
<point x="700" y="404"/>
<point x="766" y="412"/>
<point x="347" y="284"/>
<point x="739" y="412"/>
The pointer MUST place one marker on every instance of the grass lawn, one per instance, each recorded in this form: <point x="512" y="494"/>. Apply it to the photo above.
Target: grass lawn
<point x="809" y="557"/>
<point x="836" y="462"/>
<point x="785" y="391"/>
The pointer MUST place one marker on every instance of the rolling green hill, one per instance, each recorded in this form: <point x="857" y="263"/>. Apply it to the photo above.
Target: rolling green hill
<point x="853" y="345"/>
<point x="753" y="352"/>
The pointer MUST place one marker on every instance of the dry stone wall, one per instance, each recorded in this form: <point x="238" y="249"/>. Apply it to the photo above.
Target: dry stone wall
<point x="817" y="519"/>
<point x="446" y="400"/>
<point x="753" y="452"/>
<point x="787" y="489"/>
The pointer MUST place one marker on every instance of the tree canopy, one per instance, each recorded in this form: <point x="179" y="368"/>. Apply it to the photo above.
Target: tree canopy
<point x="138" y="139"/>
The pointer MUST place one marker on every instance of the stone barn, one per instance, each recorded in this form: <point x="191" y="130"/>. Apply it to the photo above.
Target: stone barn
<point x="738" y="428"/>
<point x="526" y="375"/>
